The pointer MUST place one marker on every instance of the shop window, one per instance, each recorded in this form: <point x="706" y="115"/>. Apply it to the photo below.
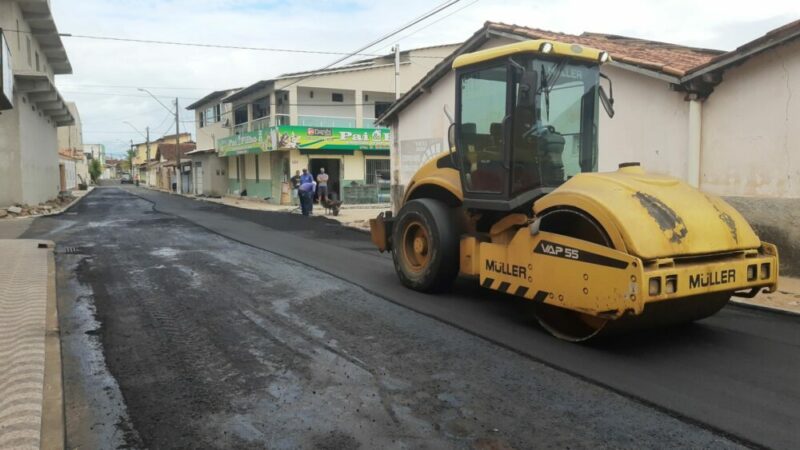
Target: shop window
<point x="337" y="97"/>
<point x="378" y="171"/>
<point x="261" y="108"/>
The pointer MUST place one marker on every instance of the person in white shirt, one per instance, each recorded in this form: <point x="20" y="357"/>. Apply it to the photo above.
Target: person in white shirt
<point x="322" y="185"/>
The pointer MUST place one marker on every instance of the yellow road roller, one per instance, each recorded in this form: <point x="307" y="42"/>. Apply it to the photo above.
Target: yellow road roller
<point x="517" y="203"/>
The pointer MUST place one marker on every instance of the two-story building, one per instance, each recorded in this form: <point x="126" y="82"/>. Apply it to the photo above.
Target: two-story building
<point x="212" y="120"/>
<point x="319" y="119"/>
<point x="32" y="54"/>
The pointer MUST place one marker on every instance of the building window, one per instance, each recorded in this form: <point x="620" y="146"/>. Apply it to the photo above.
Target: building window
<point x="19" y="40"/>
<point x="258" y="171"/>
<point x="28" y="41"/>
<point x="240" y="115"/>
<point x="337" y="97"/>
<point x="261" y="108"/>
<point x="211" y="115"/>
<point x="381" y="107"/>
<point x="37" y="61"/>
<point x="218" y="112"/>
<point x="377" y="171"/>
<point x="202" y="119"/>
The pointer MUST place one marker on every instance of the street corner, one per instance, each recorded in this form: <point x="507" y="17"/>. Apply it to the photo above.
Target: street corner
<point x="31" y="396"/>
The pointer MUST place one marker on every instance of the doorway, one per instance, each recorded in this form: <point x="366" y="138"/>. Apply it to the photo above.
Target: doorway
<point x="333" y="168"/>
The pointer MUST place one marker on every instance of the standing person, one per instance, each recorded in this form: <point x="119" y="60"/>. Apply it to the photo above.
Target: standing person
<point x="306" y="191"/>
<point x="322" y="183"/>
<point x="295" y="181"/>
<point x="306" y="177"/>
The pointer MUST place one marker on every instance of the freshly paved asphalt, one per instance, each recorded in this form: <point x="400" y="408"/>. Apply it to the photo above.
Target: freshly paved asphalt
<point x="177" y="337"/>
<point x="737" y="372"/>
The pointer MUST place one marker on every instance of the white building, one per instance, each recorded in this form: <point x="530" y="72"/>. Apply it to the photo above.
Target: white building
<point x="212" y="119"/>
<point x="318" y="119"/>
<point x="33" y="55"/>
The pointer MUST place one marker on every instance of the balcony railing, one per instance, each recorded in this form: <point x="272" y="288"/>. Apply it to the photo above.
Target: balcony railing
<point x="260" y="123"/>
<point x="241" y="128"/>
<point x="280" y="119"/>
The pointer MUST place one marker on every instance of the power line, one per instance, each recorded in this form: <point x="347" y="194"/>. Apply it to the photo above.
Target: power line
<point x="419" y="19"/>
<point x="217" y="46"/>
<point x="405" y="36"/>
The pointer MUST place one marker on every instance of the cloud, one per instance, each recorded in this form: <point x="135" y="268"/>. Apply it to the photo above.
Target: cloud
<point x="189" y="73"/>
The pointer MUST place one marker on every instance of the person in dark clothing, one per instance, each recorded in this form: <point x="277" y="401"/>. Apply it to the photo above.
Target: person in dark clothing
<point x="306" y="192"/>
<point x="295" y="181"/>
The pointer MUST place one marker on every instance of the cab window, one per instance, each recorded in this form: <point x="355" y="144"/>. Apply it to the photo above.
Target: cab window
<point x="481" y="133"/>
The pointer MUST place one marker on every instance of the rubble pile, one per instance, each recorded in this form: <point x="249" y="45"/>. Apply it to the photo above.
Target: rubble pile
<point x="24" y="210"/>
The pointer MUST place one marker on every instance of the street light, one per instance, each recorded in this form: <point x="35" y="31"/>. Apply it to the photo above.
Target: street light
<point x="177" y="138"/>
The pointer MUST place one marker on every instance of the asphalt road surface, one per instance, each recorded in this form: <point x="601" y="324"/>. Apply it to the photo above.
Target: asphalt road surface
<point x="190" y="324"/>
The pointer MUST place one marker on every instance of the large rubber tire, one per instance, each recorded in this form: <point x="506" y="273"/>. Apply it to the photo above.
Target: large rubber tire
<point x="425" y="245"/>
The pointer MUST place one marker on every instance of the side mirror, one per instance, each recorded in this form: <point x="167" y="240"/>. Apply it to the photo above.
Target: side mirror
<point x="607" y="99"/>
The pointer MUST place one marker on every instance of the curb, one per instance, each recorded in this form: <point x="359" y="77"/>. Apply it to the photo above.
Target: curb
<point x="755" y="306"/>
<point x="53" y="433"/>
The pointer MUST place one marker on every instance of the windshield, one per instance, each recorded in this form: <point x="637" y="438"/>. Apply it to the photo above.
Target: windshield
<point x="556" y="138"/>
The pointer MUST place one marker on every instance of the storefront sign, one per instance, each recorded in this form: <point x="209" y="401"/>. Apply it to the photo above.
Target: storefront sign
<point x="317" y="138"/>
<point x="286" y="137"/>
<point x="247" y="142"/>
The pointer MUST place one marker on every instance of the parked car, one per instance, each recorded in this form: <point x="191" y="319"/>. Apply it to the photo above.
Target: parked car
<point x="126" y="179"/>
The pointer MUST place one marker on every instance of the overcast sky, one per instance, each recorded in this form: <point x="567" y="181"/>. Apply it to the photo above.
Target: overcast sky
<point x="107" y="73"/>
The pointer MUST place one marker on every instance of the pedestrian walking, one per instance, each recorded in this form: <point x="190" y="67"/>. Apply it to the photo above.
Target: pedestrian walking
<point x="322" y="186"/>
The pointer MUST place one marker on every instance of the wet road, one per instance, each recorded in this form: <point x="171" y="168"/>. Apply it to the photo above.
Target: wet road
<point x="214" y="343"/>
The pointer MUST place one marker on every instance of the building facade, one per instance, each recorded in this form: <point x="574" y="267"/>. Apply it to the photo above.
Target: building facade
<point x="33" y="55"/>
<point x="314" y="120"/>
<point x="212" y="119"/>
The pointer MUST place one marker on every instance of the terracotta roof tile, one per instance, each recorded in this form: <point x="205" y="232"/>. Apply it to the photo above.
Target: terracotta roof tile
<point x="659" y="56"/>
<point x="167" y="151"/>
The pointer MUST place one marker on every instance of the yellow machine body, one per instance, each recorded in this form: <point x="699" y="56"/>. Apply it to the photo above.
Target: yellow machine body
<point x="667" y="242"/>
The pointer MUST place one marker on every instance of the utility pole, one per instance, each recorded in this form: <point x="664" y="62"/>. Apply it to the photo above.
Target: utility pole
<point x="147" y="162"/>
<point x="394" y="151"/>
<point x="177" y="148"/>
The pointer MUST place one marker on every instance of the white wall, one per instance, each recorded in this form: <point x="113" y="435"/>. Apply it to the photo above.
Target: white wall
<point x="751" y="128"/>
<point x="38" y="156"/>
<point x="650" y="125"/>
<point x="208" y="135"/>
<point x="70" y="172"/>
<point x="421" y="131"/>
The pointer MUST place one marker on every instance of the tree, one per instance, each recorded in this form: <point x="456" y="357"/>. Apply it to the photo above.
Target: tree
<point x="95" y="170"/>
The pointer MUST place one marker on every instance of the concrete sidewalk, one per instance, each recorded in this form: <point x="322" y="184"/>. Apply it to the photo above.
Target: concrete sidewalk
<point x="31" y="395"/>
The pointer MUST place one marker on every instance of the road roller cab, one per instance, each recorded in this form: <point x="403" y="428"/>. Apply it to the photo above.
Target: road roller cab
<point x="517" y="203"/>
